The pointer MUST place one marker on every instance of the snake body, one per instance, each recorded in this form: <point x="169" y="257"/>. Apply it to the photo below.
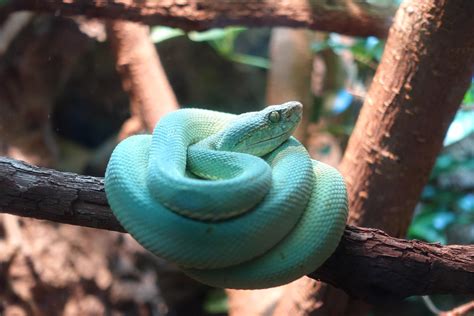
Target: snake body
<point x="233" y="200"/>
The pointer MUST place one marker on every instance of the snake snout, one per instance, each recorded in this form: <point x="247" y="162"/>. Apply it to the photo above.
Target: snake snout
<point x="293" y="108"/>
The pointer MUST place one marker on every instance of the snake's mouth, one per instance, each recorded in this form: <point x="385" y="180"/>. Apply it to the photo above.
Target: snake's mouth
<point x="269" y="139"/>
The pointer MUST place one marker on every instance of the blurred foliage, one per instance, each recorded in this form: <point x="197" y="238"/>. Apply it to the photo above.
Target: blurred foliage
<point x="216" y="302"/>
<point x="446" y="212"/>
<point x="222" y="40"/>
<point x="441" y="207"/>
<point x="365" y="50"/>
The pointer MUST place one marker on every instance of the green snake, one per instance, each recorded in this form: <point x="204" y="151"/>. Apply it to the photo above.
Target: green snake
<point x="233" y="200"/>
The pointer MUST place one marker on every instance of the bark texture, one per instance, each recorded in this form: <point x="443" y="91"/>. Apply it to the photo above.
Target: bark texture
<point x="368" y="264"/>
<point x="425" y="70"/>
<point x="345" y="17"/>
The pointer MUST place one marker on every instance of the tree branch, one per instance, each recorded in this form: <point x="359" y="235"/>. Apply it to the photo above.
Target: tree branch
<point x="356" y="18"/>
<point x="368" y="263"/>
<point x="30" y="191"/>
<point x="143" y="76"/>
<point x="398" y="136"/>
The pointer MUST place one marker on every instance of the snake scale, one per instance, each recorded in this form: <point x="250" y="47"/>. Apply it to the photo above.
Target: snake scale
<point x="233" y="200"/>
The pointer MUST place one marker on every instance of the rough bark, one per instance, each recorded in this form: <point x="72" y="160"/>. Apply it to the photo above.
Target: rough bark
<point x="345" y="17"/>
<point x="368" y="264"/>
<point x="425" y="70"/>
<point x="143" y="76"/>
<point x="62" y="197"/>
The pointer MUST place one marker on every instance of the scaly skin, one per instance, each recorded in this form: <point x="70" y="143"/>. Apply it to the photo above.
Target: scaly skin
<point x="264" y="215"/>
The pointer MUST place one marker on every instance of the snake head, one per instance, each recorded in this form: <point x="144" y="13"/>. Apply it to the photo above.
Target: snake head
<point x="259" y="133"/>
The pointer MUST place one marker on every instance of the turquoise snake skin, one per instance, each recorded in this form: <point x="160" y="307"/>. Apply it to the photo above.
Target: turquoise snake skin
<point x="233" y="200"/>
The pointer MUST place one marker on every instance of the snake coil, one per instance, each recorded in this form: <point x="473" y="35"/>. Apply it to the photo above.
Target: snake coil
<point x="233" y="200"/>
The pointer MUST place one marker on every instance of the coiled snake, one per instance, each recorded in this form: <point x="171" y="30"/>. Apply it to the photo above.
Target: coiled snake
<point x="197" y="194"/>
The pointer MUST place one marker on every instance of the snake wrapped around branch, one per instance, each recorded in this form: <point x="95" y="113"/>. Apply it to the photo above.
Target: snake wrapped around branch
<point x="233" y="200"/>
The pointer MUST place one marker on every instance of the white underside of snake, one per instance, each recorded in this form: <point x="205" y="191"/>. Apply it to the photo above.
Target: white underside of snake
<point x="232" y="200"/>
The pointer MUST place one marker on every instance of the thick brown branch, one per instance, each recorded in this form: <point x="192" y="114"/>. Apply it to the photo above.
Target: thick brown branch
<point x="347" y="17"/>
<point x="374" y="266"/>
<point x="401" y="127"/>
<point x="143" y="76"/>
<point x="69" y="198"/>
<point x="368" y="264"/>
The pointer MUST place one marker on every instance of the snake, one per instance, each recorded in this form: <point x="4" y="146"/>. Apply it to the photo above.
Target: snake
<point x="234" y="201"/>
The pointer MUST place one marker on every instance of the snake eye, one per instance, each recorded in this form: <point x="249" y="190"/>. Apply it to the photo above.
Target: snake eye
<point x="274" y="116"/>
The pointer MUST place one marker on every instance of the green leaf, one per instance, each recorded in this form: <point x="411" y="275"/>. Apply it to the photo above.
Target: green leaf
<point x="215" y="34"/>
<point x="222" y="40"/>
<point x="427" y="234"/>
<point x="250" y="60"/>
<point x="162" y="33"/>
<point x="431" y="226"/>
<point x="469" y="96"/>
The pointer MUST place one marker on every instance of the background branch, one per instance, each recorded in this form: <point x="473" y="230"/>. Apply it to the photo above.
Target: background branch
<point x="368" y="264"/>
<point x="356" y="18"/>
<point x="143" y="76"/>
